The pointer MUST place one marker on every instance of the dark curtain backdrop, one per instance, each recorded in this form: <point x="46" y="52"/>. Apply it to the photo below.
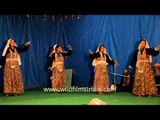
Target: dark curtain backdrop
<point x="119" y="33"/>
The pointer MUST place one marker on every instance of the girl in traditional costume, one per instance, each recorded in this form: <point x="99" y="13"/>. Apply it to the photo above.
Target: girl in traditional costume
<point x="100" y="61"/>
<point x="56" y="65"/>
<point x="144" y="82"/>
<point x="13" y="82"/>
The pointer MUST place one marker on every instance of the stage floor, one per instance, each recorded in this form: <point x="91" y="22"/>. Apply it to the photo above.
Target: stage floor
<point x="39" y="97"/>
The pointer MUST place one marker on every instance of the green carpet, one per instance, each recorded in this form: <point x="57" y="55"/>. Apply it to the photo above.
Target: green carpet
<point x="39" y="97"/>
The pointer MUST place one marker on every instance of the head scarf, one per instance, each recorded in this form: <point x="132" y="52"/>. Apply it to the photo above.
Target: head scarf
<point x="147" y="46"/>
<point x="54" y="48"/>
<point x="94" y="63"/>
<point x="105" y="51"/>
<point x="6" y="48"/>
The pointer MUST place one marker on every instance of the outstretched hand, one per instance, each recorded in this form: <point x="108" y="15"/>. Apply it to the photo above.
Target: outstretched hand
<point x="158" y="46"/>
<point x="90" y="52"/>
<point x="50" y="68"/>
<point x="157" y="65"/>
<point x="129" y="67"/>
<point x="27" y="43"/>
<point x="69" y="47"/>
<point x="51" y="53"/>
<point x="115" y="62"/>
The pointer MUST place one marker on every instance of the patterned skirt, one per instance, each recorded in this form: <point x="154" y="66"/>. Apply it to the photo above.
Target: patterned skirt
<point x="101" y="82"/>
<point x="144" y="83"/>
<point x="58" y="80"/>
<point x="13" y="82"/>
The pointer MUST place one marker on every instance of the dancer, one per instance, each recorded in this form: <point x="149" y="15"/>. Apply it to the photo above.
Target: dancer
<point x="144" y="82"/>
<point x="100" y="60"/>
<point x="56" y="65"/>
<point x="13" y="82"/>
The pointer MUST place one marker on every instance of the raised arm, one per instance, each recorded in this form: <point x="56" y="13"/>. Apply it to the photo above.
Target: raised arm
<point x="69" y="51"/>
<point x="24" y="47"/>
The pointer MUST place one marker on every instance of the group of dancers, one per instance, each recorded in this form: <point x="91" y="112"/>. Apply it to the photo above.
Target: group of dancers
<point x="144" y="81"/>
